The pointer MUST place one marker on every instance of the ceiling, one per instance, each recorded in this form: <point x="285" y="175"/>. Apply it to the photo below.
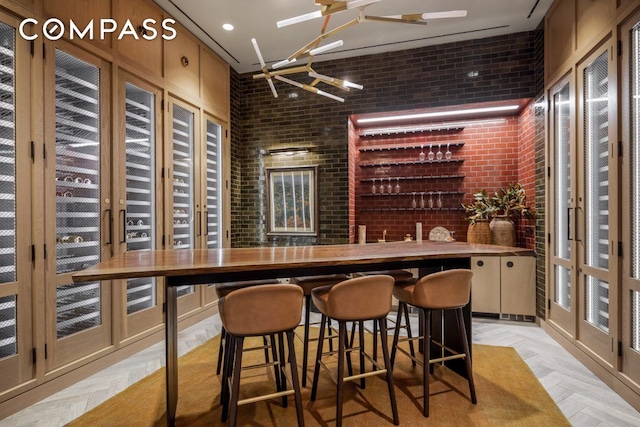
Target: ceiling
<point x="257" y="19"/>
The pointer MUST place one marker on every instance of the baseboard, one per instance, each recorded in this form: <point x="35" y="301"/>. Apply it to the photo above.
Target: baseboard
<point x="617" y="384"/>
<point x="48" y="388"/>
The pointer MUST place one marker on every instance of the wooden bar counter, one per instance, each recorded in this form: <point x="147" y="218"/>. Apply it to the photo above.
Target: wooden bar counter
<point x="202" y="266"/>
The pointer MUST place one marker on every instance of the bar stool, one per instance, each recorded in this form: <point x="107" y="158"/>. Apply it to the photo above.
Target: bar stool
<point x="355" y="300"/>
<point x="445" y="290"/>
<point x="308" y="283"/>
<point x="401" y="277"/>
<point x="252" y="312"/>
<point x="224" y="289"/>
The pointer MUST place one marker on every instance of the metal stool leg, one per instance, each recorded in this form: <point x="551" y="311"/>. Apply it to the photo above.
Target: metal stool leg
<point x="425" y="360"/>
<point x="388" y="367"/>
<point x="342" y="328"/>
<point x="294" y="379"/>
<point x="467" y="359"/>
<point x="223" y="336"/>
<point x="235" y="387"/>
<point x="316" y="369"/>
<point x="305" y="351"/>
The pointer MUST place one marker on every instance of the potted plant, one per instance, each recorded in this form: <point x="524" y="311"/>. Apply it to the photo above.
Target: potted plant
<point x="509" y="201"/>
<point x="479" y="212"/>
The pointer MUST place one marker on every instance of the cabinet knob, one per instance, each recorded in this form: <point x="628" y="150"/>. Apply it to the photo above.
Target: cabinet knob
<point x="480" y="263"/>
<point x="509" y="264"/>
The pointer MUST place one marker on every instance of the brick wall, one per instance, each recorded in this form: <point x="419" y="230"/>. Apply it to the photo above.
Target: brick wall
<point x="489" y="157"/>
<point x="417" y="78"/>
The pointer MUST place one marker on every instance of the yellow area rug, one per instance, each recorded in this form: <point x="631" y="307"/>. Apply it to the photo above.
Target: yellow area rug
<point x="508" y="395"/>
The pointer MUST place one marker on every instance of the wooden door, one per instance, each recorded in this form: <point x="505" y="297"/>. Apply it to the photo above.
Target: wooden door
<point x="629" y="341"/>
<point x="518" y="279"/>
<point x="212" y="191"/>
<point x="138" y="183"/>
<point x="485" y="288"/>
<point x="561" y="185"/>
<point x="78" y="202"/>
<point x="596" y="227"/>
<point x="16" y="292"/>
<point x="182" y="188"/>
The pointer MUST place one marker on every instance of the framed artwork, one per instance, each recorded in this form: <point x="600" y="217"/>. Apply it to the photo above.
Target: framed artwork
<point x="292" y="201"/>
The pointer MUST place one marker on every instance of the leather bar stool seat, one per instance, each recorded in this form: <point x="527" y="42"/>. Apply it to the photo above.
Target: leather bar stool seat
<point x="222" y="290"/>
<point x="401" y="278"/>
<point x="355" y="300"/>
<point x="258" y="311"/>
<point x="445" y="290"/>
<point x="309" y="283"/>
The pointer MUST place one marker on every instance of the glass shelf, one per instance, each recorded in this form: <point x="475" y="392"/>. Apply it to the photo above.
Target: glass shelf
<point x="410" y="162"/>
<point x="408" y="147"/>
<point x="406" y="178"/>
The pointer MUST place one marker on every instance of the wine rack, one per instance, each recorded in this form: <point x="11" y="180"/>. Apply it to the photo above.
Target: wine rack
<point x="213" y="185"/>
<point x="8" y="242"/>
<point x="140" y="179"/>
<point x="183" y="180"/>
<point x="77" y="164"/>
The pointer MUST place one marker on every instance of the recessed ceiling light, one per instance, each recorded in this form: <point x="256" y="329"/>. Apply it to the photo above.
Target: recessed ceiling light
<point x="227" y="27"/>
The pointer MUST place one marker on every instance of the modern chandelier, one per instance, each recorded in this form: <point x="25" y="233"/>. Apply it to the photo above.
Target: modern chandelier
<point x="308" y="51"/>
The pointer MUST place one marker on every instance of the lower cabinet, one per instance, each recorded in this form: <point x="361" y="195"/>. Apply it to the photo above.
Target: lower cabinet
<point x="504" y="285"/>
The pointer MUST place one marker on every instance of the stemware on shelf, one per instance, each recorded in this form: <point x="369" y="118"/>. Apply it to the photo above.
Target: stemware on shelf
<point x="390" y="187"/>
<point x="431" y="155"/>
<point x="414" y="202"/>
<point x="382" y="187"/>
<point x="448" y="154"/>
<point x="439" y="200"/>
<point x="374" y="187"/>
<point x="397" y="189"/>
<point x="422" y="200"/>
<point x="431" y="199"/>
<point x="422" y="155"/>
<point x="439" y="153"/>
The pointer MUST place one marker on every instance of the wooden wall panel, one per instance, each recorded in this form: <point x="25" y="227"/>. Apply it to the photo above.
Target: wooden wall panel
<point x="81" y="12"/>
<point x="559" y="34"/>
<point x="182" y="63"/>
<point x="215" y="84"/>
<point x="592" y="17"/>
<point x="146" y="53"/>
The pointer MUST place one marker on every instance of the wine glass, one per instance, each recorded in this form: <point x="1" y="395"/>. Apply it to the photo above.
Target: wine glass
<point x="422" y="155"/>
<point x="374" y="187"/>
<point x="439" y="153"/>
<point x="430" y="155"/>
<point x="390" y="187"/>
<point x="414" y="203"/>
<point x="448" y="154"/>
<point x="397" y="185"/>
<point x="422" y="200"/>
<point x="439" y="201"/>
<point x="382" y="188"/>
<point x="431" y="199"/>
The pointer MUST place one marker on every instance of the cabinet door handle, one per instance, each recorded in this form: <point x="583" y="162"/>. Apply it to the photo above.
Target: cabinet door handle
<point x="509" y="264"/>
<point x="569" y="224"/>
<point x="206" y="227"/>
<point x="199" y="217"/>
<point x="480" y="263"/>
<point x="123" y="213"/>
<point x="576" y="223"/>
<point x="110" y="224"/>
